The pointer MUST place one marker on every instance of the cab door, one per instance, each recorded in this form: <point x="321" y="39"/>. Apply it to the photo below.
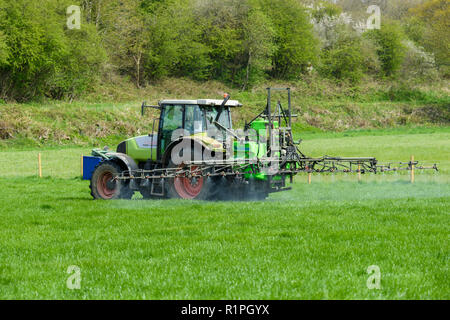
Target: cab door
<point x="172" y="118"/>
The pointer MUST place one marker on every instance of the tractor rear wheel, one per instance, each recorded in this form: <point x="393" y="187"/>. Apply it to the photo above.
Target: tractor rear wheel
<point x="103" y="185"/>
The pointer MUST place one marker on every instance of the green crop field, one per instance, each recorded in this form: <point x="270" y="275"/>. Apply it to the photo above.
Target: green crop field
<point x="313" y="242"/>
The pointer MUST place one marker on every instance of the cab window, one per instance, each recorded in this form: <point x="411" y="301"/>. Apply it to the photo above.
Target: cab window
<point x="173" y="117"/>
<point x="194" y="119"/>
<point x="224" y="118"/>
<point x="172" y="120"/>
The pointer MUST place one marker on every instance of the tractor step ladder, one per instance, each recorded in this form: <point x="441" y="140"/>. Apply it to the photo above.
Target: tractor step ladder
<point x="159" y="183"/>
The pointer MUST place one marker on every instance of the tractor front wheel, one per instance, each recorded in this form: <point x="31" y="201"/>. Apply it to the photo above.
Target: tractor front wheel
<point x="103" y="185"/>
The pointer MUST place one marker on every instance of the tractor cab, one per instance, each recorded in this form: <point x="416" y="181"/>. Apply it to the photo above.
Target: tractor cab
<point x="205" y="120"/>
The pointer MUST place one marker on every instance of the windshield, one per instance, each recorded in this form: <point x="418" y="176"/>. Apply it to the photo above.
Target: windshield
<point x="224" y="119"/>
<point x="194" y="120"/>
<point x="201" y="118"/>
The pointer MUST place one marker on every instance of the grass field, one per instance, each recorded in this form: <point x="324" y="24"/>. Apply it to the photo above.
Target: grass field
<point x="313" y="242"/>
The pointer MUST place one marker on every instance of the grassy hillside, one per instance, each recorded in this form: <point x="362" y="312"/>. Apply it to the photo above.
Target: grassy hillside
<point x="320" y="106"/>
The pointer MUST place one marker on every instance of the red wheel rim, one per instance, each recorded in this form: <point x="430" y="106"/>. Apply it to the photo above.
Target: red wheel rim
<point x="188" y="187"/>
<point x="102" y="185"/>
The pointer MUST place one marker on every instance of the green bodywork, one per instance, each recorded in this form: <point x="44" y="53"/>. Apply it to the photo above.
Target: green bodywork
<point x="141" y="152"/>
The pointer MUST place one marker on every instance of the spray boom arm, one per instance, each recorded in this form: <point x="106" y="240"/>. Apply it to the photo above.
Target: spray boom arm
<point x="293" y="160"/>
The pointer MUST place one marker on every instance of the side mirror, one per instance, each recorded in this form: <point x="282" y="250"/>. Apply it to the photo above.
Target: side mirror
<point x="144" y="106"/>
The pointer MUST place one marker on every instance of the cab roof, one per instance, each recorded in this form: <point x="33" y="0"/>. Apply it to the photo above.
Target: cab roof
<point x="203" y="102"/>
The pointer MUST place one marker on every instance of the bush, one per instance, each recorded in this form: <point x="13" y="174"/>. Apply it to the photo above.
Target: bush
<point x="4" y="50"/>
<point x="230" y="40"/>
<point x="45" y="59"/>
<point x="175" y="48"/>
<point x="418" y="63"/>
<point x="329" y="23"/>
<point x="342" y="55"/>
<point x="371" y="63"/>
<point x="404" y="91"/>
<point x="433" y="17"/>
<point x="344" y="59"/>
<point x="296" y="48"/>
<point x="389" y="40"/>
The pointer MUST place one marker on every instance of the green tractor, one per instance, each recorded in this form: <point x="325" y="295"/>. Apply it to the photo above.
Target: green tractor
<point x="152" y="154"/>
<point x="196" y="154"/>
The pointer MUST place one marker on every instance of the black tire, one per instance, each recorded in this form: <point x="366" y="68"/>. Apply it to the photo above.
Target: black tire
<point x="103" y="187"/>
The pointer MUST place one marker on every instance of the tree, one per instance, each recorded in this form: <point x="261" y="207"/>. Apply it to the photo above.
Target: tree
<point x="3" y="45"/>
<point x="44" y="58"/>
<point x="126" y="34"/>
<point x="3" y="50"/>
<point x="222" y="24"/>
<point x="435" y="35"/>
<point x="240" y="37"/>
<point x="175" y="48"/>
<point x="343" y="60"/>
<point x="295" y="44"/>
<point x="341" y="45"/>
<point x="258" y="45"/>
<point x="391" y="50"/>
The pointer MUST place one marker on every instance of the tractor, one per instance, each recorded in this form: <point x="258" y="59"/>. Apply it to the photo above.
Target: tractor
<point x="196" y="154"/>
